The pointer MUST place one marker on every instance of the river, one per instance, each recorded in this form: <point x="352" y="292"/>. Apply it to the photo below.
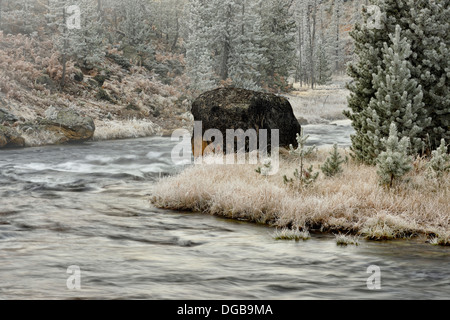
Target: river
<point x="81" y="213"/>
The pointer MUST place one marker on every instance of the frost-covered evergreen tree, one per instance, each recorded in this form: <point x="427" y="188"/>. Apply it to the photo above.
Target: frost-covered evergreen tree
<point x="425" y="25"/>
<point x="398" y="99"/>
<point x="248" y="43"/>
<point x="393" y="163"/>
<point x="87" y="42"/>
<point x="303" y="176"/>
<point x="440" y="161"/>
<point x="246" y="52"/>
<point x="1" y="11"/>
<point x="299" y="15"/>
<point x="57" y="18"/>
<point x="168" y="19"/>
<point x="198" y="48"/>
<point x="84" y="44"/>
<point x="137" y="29"/>
<point x="322" y="64"/>
<point x="225" y="39"/>
<point x="368" y="43"/>
<point x="333" y="163"/>
<point x="22" y="17"/>
<point x="336" y="37"/>
<point x="279" y="31"/>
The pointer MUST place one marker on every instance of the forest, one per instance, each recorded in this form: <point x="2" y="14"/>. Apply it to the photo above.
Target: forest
<point x="143" y="62"/>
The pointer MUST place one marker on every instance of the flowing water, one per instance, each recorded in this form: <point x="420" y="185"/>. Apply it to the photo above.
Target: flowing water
<point x="87" y="206"/>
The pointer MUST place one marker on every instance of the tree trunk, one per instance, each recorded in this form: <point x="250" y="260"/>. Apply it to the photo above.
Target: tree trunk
<point x="99" y="7"/>
<point x="177" y="29"/>
<point x="300" y="44"/>
<point x="226" y="48"/>
<point x="64" y="58"/>
<point x="312" y="10"/>
<point x="338" y="24"/>
<point x="1" y="14"/>
<point x="243" y="23"/>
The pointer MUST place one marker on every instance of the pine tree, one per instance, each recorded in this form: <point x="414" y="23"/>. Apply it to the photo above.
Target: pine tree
<point x="398" y="100"/>
<point x="323" y="69"/>
<point x="198" y="48"/>
<point x="393" y="163"/>
<point x="440" y="161"/>
<point x="22" y="17"/>
<point x="137" y="29"/>
<point x="87" y="43"/>
<point x="168" y="21"/>
<point x="336" y="37"/>
<point x="246" y="55"/>
<point x="311" y="40"/>
<point x="304" y="176"/>
<point x="1" y="11"/>
<point x="425" y="25"/>
<point x="279" y="31"/>
<point x="332" y="165"/>
<point x="322" y="65"/>
<point x="57" y="23"/>
<point x="299" y="15"/>
<point x="368" y="43"/>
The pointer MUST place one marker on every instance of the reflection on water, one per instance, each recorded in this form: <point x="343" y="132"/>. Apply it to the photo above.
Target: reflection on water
<point x="87" y="205"/>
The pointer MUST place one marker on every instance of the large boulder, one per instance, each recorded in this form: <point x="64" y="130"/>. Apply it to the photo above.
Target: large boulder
<point x="9" y="137"/>
<point x="68" y="125"/>
<point x="233" y="108"/>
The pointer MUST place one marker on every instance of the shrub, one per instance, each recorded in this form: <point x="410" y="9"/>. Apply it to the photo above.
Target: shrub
<point x="394" y="162"/>
<point x="332" y="165"/>
<point x="440" y="161"/>
<point x="291" y="234"/>
<point x="303" y="176"/>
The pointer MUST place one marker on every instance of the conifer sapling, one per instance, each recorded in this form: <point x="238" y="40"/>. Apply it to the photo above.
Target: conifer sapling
<point x="394" y="162"/>
<point x="304" y="176"/>
<point x="332" y="165"/>
<point x="440" y="161"/>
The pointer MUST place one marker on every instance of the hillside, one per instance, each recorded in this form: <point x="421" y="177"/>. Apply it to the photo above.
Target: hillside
<point x="128" y="91"/>
<point x="115" y="92"/>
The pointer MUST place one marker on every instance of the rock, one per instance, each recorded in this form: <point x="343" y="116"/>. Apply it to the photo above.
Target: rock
<point x="9" y="137"/>
<point x="45" y="80"/>
<point x="302" y="121"/>
<point x="102" y="94"/>
<point x="78" y="76"/>
<point x="233" y="108"/>
<point x="71" y="126"/>
<point x="5" y="116"/>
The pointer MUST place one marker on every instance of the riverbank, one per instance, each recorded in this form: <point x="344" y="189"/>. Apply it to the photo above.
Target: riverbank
<point x="352" y="203"/>
<point x="124" y="99"/>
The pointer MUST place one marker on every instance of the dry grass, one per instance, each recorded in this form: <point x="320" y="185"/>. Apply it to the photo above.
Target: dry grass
<point x="321" y="105"/>
<point x="291" y="234"/>
<point x="352" y="202"/>
<point x="346" y="240"/>
<point x="30" y="77"/>
<point x="133" y="128"/>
